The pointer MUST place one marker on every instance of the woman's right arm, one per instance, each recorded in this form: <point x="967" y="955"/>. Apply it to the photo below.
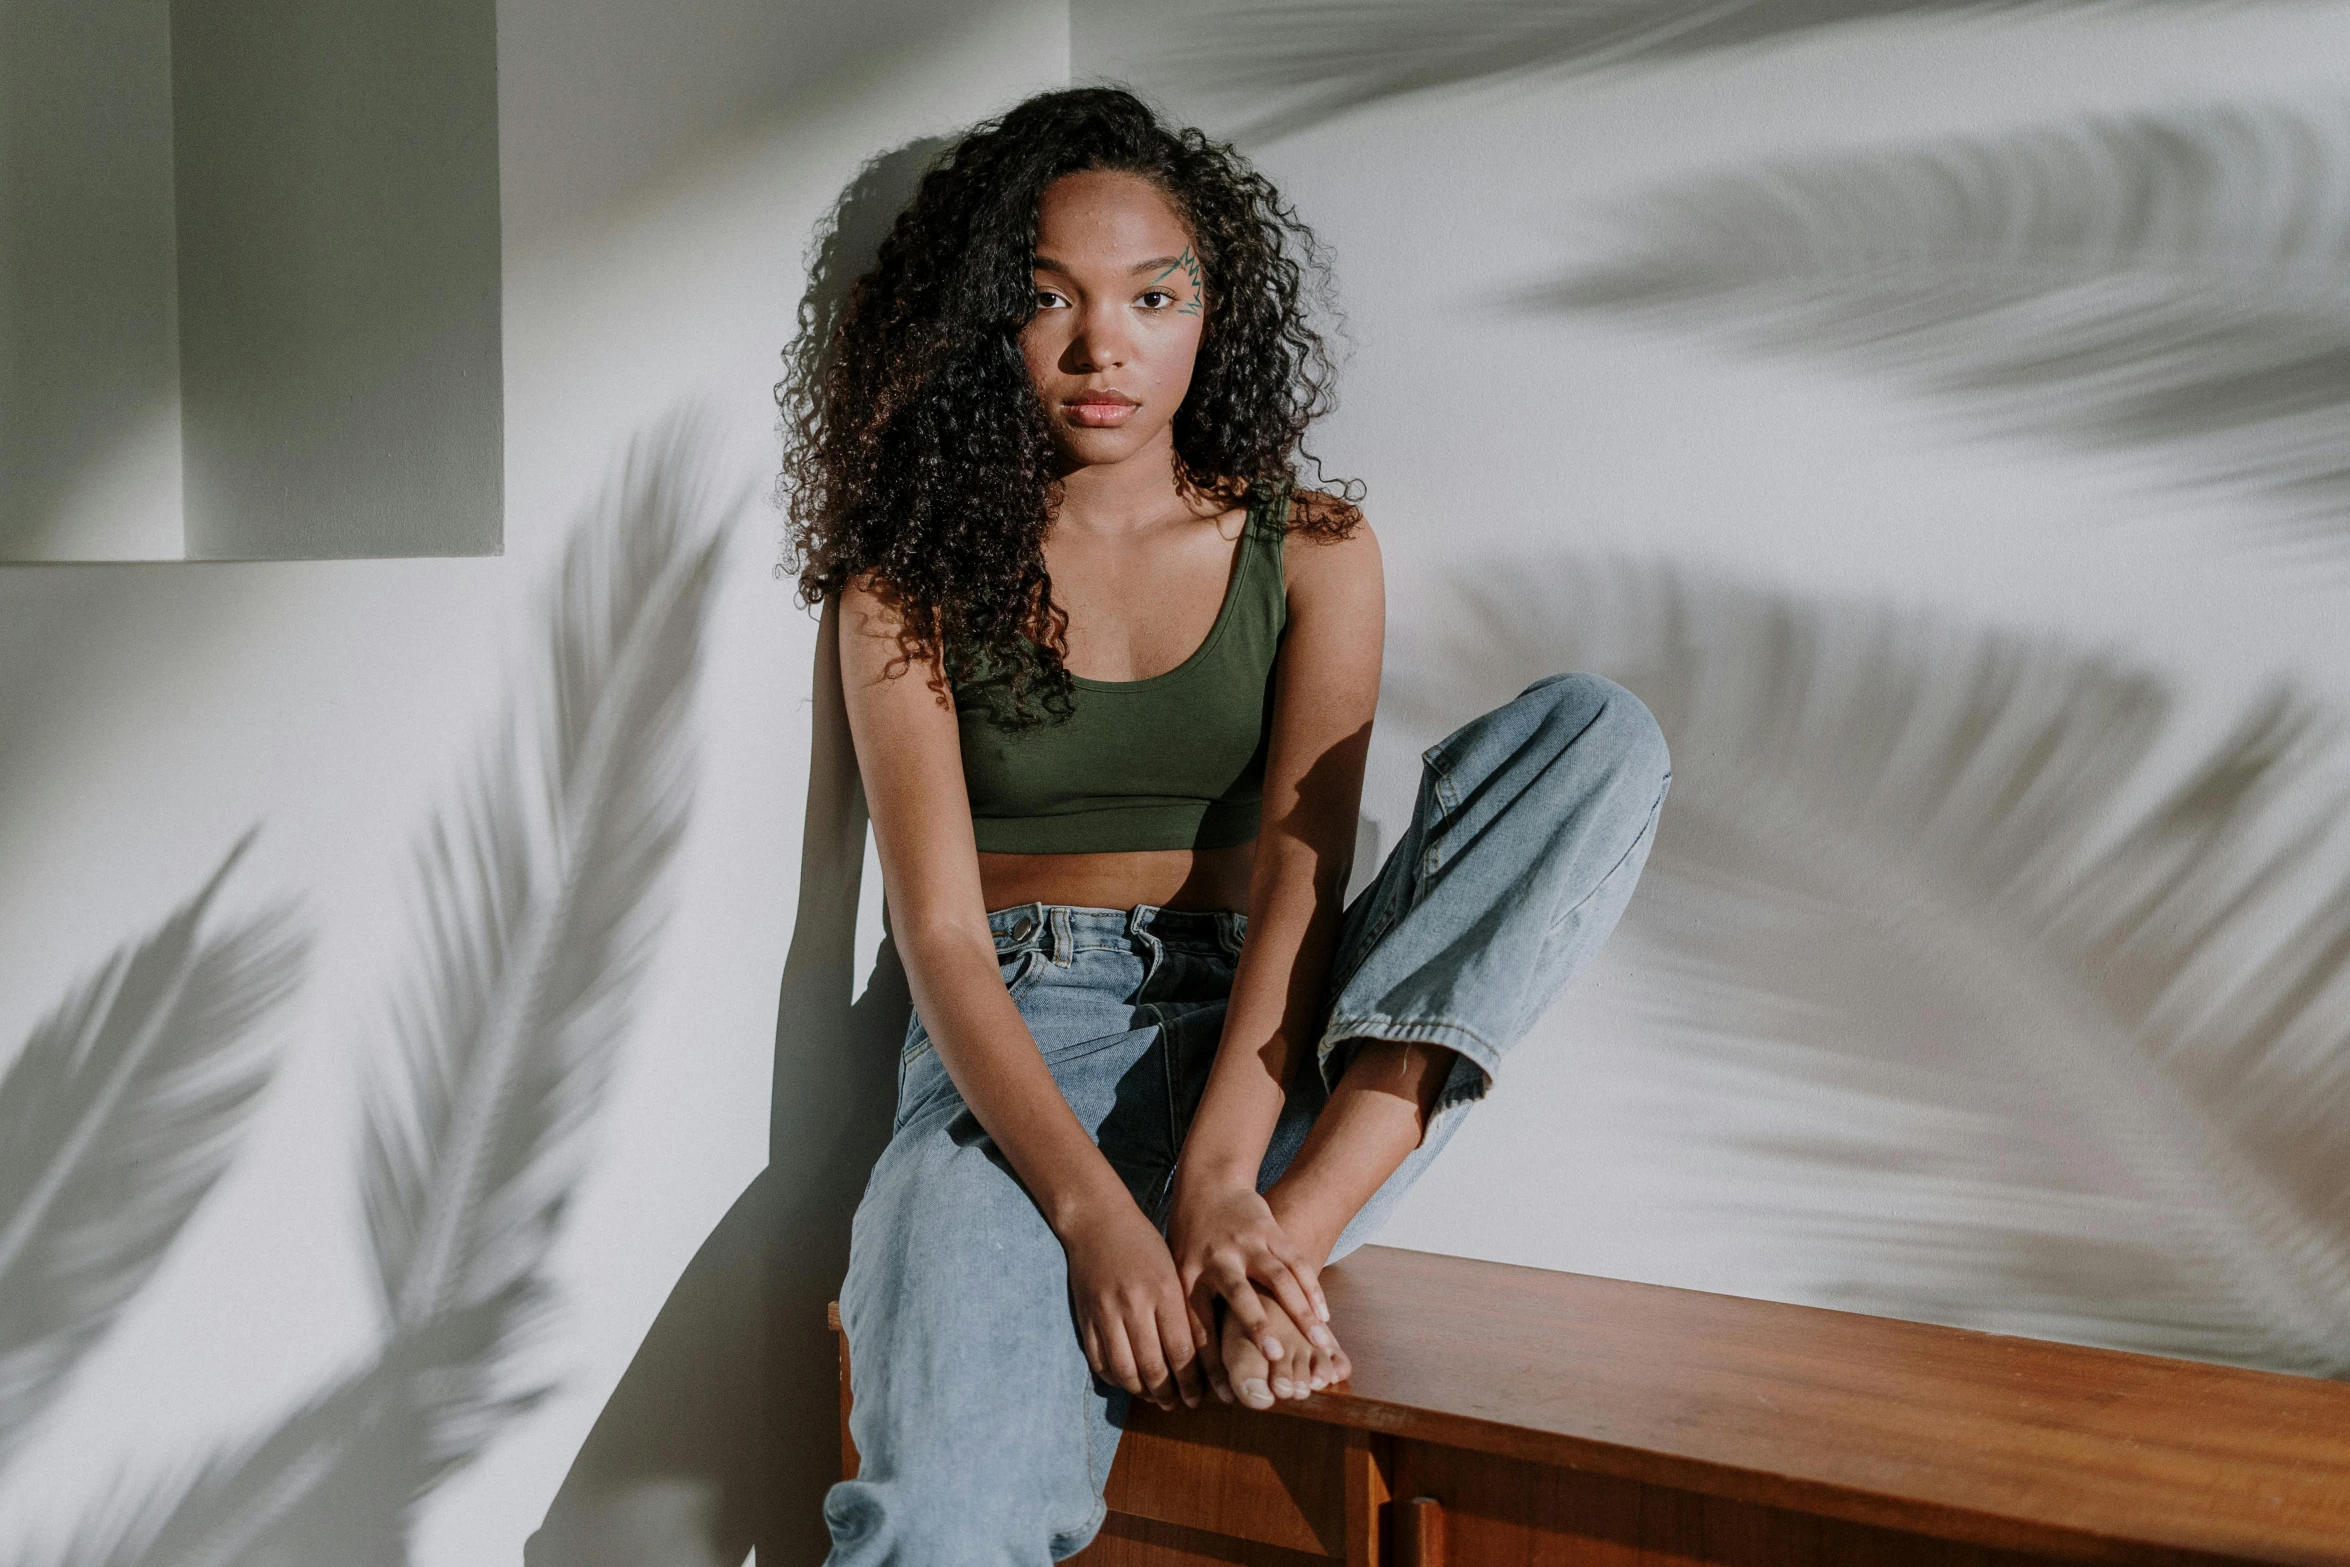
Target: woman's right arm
<point x="1131" y="1312"/>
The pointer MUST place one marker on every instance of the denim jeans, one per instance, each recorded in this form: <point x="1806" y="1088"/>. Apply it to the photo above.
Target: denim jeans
<point x="982" y="1434"/>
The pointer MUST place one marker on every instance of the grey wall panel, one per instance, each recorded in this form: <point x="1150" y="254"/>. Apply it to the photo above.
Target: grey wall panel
<point x="89" y="371"/>
<point x="339" y="277"/>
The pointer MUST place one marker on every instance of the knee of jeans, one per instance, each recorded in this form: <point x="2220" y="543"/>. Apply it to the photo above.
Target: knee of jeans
<point x="1598" y="714"/>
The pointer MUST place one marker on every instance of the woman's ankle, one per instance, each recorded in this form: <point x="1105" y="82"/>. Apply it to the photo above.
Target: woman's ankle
<point x="1309" y="1214"/>
<point x="1410" y="1070"/>
<point x="1370" y="1125"/>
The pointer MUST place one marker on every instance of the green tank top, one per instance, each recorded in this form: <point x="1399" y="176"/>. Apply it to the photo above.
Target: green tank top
<point x="1173" y="762"/>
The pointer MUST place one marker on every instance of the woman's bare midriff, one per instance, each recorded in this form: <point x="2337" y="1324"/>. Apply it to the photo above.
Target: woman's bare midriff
<point x="1170" y="878"/>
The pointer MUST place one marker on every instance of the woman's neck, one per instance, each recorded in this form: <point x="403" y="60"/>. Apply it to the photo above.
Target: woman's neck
<point x="1128" y="496"/>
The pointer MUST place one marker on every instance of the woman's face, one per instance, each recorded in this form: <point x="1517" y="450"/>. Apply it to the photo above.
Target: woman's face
<point x="1119" y="309"/>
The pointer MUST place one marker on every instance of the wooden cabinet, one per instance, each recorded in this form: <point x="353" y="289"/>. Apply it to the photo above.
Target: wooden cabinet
<point x="1514" y="1416"/>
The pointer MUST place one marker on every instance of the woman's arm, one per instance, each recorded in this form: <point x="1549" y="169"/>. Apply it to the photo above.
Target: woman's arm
<point x="1327" y="687"/>
<point x="1129" y="1302"/>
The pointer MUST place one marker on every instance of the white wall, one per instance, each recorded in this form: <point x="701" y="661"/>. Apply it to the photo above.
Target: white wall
<point x="1686" y="1116"/>
<point x="663" y="169"/>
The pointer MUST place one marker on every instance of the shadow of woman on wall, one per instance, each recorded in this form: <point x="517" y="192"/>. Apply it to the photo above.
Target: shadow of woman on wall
<point x="722" y="1433"/>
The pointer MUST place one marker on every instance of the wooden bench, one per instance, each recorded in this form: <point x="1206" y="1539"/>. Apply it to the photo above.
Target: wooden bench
<point x="1514" y="1416"/>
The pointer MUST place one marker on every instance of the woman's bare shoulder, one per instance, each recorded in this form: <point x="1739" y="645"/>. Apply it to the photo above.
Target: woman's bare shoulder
<point x="1325" y="517"/>
<point x="867" y="603"/>
<point x="877" y="653"/>
<point x="872" y="613"/>
<point x="1330" y="547"/>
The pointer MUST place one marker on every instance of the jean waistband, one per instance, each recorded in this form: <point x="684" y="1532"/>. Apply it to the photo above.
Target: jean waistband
<point x="1061" y="929"/>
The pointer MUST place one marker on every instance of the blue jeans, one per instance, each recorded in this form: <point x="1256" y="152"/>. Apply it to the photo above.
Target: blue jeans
<point x="983" y="1436"/>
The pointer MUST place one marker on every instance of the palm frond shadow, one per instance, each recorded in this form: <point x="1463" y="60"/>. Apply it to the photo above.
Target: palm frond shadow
<point x="333" y="1481"/>
<point x="539" y="911"/>
<point x="693" y="1460"/>
<point x="2176" y="283"/>
<point x="116" y="1118"/>
<point x="1351" y="53"/>
<point x="2003" y="1045"/>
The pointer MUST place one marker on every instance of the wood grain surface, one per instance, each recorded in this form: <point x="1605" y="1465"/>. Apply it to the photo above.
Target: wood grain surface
<point x="1228" y="1469"/>
<point x="1505" y="1510"/>
<point x="2005" y="1442"/>
<point x="1144" y="1542"/>
<point x="1514" y="1415"/>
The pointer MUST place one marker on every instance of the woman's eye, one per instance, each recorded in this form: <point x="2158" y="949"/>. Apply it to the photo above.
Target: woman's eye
<point x="1046" y="299"/>
<point x="1162" y="297"/>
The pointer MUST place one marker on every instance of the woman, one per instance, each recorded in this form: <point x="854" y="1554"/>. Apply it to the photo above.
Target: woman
<point x="1110" y="676"/>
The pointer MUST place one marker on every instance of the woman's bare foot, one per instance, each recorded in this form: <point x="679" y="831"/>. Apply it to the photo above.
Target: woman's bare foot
<point x="1300" y="1370"/>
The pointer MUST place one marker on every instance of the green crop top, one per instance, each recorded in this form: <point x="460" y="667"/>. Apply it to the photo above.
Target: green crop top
<point x="1173" y="762"/>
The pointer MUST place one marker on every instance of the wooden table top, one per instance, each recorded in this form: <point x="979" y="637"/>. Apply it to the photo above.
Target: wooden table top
<point x="1971" y="1436"/>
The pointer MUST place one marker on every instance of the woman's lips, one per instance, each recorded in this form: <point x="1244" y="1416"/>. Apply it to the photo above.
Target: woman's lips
<point x="1100" y="412"/>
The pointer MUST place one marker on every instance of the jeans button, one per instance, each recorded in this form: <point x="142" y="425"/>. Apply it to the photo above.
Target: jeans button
<point x="1022" y="928"/>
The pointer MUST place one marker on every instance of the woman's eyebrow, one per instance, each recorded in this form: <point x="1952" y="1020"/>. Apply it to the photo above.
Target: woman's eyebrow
<point x="1161" y="264"/>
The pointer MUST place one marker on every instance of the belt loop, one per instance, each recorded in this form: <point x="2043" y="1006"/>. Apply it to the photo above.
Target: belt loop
<point x="1232" y="930"/>
<point x="1064" y="948"/>
<point x="1153" y="951"/>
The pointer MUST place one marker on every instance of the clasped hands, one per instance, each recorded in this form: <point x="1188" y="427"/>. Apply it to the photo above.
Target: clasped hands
<point x="1230" y="1300"/>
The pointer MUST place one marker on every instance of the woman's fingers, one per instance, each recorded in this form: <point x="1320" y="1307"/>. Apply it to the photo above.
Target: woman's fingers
<point x="1118" y="1355"/>
<point x="1211" y="1351"/>
<point x="1180" y="1348"/>
<point x="1148" y="1348"/>
<point x="1150" y="1364"/>
<point x="1277" y="1277"/>
<point x="1309" y="1278"/>
<point x="1329" y="1367"/>
<point x="1240" y="1297"/>
<point x="1289" y="1289"/>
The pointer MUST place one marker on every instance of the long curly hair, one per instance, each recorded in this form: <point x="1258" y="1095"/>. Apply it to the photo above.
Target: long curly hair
<point x="918" y="456"/>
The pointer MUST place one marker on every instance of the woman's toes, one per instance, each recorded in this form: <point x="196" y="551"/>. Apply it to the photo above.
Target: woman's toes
<point x="1298" y="1378"/>
<point x="1246" y="1368"/>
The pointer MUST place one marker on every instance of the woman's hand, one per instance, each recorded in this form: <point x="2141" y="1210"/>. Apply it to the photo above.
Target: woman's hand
<point x="1226" y="1244"/>
<point x="1129" y="1303"/>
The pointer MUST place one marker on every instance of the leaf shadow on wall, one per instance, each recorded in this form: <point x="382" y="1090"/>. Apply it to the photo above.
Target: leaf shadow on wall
<point x="2175" y="283"/>
<point x="722" y="1433"/>
<point x="539" y="908"/>
<point x="116" y="1119"/>
<point x="1315" y="60"/>
<point x="1955" y="1005"/>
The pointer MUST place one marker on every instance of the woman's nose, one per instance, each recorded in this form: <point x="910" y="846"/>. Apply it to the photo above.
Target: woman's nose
<point x="1101" y="343"/>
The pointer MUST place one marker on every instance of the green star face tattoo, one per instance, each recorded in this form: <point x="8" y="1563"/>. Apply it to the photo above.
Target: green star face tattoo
<point x="1190" y="266"/>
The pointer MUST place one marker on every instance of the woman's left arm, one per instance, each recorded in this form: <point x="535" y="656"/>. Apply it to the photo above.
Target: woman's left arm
<point x="1326" y="689"/>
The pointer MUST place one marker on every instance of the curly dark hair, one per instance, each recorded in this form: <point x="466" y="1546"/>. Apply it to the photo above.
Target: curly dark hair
<point x="918" y="456"/>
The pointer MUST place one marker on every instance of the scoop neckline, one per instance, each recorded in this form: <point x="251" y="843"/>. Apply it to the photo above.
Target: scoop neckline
<point x="1240" y="570"/>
